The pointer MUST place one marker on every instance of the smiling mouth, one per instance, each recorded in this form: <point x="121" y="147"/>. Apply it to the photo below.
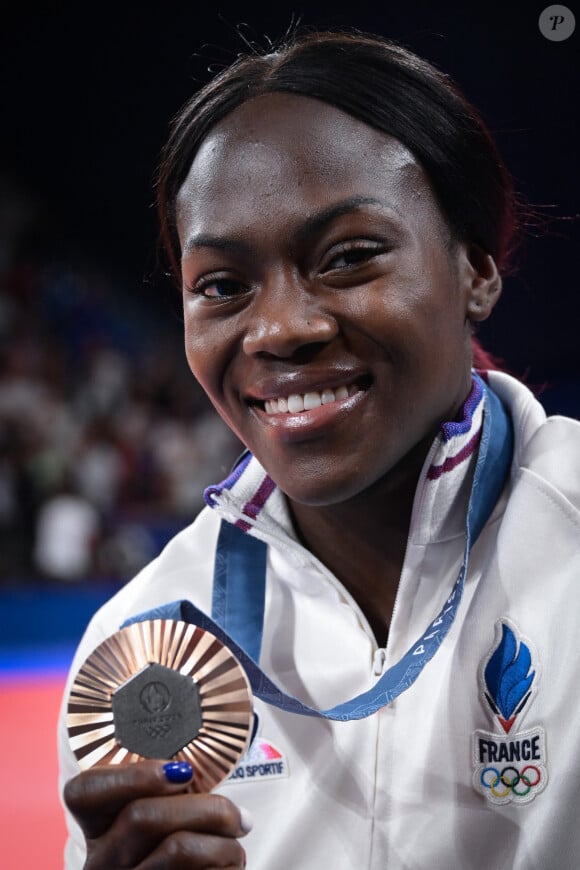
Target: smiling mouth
<point x="297" y="403"/>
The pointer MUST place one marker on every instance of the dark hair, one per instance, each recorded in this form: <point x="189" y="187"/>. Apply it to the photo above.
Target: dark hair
<point x="382" y="84"/>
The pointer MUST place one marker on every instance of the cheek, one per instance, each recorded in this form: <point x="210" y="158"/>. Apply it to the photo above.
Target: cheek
<point x="209" y="353"/>
<point x="201" y="360"/>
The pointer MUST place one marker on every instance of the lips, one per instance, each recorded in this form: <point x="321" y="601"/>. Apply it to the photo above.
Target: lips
<point x="294" y="416"/>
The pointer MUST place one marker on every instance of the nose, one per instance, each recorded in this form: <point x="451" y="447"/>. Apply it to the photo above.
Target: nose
<point x="286" y="316"/>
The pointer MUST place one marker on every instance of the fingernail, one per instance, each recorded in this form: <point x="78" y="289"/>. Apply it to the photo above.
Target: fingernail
<point x="178" y="771"/>
<point x="246" y="820"/>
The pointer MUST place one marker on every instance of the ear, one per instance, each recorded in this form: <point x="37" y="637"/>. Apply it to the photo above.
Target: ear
<point x="480" y="281"/>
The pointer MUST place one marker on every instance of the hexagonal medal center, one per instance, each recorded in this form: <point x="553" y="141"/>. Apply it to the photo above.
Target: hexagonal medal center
<point x="157" y="712"/>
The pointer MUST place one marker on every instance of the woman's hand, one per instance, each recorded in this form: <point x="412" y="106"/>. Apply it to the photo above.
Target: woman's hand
<point x="142" y="816"/>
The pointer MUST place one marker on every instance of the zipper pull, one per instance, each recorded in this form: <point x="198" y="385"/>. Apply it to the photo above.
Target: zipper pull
<point x="379" y="661"/>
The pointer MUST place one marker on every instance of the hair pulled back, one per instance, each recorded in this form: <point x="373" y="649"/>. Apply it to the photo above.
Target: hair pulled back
<point x="382" y="84"/>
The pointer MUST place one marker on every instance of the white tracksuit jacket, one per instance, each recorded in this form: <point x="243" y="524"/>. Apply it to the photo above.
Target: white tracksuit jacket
<point x="434" y="781"/>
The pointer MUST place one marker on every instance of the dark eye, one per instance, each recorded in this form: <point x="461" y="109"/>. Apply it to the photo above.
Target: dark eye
<point x="217" y="288"/>
<point x="353" y="255"/>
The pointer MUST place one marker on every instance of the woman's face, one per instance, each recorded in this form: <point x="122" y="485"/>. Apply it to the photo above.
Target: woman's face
<point x="326" y="314"/>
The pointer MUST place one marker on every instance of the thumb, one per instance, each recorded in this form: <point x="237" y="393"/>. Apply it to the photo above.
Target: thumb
<point x="96" y="796"/>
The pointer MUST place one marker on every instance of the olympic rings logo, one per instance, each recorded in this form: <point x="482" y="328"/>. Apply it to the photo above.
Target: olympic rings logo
<point x="510" y="780"/>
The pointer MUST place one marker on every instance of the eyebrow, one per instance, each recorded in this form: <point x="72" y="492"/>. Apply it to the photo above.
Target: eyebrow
<point x="317" y="222"/>
<point x="220" y="243"/>
<point x="311" y="226"/>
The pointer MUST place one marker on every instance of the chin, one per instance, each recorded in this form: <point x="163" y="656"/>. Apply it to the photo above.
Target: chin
<point x="322" y="490"/>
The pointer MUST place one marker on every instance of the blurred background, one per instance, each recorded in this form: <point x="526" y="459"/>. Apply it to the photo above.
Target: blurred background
<point x="106" y="442"/>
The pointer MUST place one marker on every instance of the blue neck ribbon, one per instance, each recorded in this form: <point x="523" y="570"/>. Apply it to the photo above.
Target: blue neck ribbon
<point x="240" y="581"/>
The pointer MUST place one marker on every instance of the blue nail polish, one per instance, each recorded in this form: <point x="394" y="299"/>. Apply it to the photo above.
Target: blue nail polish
<point x="178" y="771"/>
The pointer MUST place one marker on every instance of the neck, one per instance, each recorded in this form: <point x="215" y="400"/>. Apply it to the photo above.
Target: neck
<point x="363" y="540"/>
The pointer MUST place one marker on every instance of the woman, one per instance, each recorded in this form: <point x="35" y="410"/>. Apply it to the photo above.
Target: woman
<point x="338" y="217"/>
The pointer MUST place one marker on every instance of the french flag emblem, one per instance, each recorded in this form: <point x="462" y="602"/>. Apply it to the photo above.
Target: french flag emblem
<point x="508" y="677"/>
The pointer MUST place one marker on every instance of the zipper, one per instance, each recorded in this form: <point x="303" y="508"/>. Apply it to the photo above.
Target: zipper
<point x="295" y="548"/>
<point x="415" y="512"/>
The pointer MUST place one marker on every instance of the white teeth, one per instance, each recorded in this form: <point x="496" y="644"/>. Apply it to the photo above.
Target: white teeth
<point x="295" y="403"/>
<point x="312" y="400"/>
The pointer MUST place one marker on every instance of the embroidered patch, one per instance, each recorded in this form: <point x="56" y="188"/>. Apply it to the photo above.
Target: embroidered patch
<point x="510" y="765"/>
<point x="262" y="761"/>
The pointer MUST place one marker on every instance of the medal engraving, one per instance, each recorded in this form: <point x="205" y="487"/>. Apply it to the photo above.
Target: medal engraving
<point x="156" y="712"/>
<point x="162" y="688"/>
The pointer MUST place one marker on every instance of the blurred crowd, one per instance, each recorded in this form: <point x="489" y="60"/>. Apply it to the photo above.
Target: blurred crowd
<point x="106" y="440"/>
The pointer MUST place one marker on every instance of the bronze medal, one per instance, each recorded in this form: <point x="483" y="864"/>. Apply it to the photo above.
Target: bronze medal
<point x="162" y="689"/>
